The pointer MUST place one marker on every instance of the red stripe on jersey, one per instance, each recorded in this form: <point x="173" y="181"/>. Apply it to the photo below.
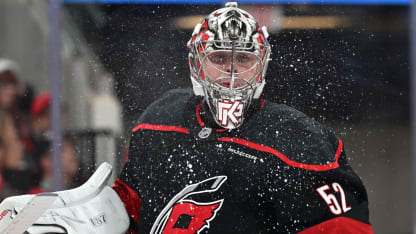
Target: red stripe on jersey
<point x="262" y="103"/>
<point x="129" y="198"/>
<point x="340" y="225"/>
<point x="339" y="149"/>
<point x="285" y="159"/>
<point x="198" y="116"/>
<point x="222" y="129"/>
<point x="161" y="128"/>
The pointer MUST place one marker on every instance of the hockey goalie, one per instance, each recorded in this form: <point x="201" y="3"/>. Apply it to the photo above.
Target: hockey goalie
<point x="217" y="158"/>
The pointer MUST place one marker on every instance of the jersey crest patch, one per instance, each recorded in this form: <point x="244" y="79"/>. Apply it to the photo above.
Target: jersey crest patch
<point x="186" y="216"/>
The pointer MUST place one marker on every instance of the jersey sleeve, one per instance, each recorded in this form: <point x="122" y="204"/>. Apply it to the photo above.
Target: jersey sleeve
<point x="323" y="201"/>
<point x="309" y="185"/>
<point x="162" y="116"/>
<point x="340" y="225"/>
<point x="131" y="202"/>
<point x="341" y="202"/>
<point x="129" y="182"/>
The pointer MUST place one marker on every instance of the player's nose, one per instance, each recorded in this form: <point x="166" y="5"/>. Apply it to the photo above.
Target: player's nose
<point x="229" y="66"/>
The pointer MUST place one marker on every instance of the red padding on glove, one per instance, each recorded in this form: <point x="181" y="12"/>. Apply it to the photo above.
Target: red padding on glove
<point x="130" y="199"/>
<point x="340" y="225"/>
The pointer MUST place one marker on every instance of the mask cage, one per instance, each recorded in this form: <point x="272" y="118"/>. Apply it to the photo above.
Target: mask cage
<point x="201" y="49"/>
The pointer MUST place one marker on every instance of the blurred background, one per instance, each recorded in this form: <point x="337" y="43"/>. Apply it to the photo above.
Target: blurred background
<point x="344" y="63"/>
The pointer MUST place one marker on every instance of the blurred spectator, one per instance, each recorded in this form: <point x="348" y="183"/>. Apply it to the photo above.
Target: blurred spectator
<point x="12" y="148"/>
<point x="41" y="140"/>
<point x="15" y="178"/>
<point x="25" y="159"/>
<point x="18" y="174"/>
<point x="2" y="153"/>
<point x="8" y="84"/>
<point x="1" y="147"/>
<point x="14" y="99"/>
<point x="40" y="116"/>
<point x="70" y="163"/>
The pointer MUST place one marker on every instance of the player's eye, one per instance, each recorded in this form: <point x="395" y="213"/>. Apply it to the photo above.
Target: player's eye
<point x="218" y="59"/>
<point x="243" y="59"/>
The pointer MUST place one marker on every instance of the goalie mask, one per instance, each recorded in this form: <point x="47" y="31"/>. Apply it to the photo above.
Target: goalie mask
<point x="228" y="60"/>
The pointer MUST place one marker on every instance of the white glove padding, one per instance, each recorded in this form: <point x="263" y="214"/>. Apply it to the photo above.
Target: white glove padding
<point x="42" y="229"/>
<point x="93" y="208"/>
<point x="104" y="213"/>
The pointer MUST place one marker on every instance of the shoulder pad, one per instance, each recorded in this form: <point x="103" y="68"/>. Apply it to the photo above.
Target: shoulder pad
<point x="297" y="136"/>
<point x="167" y="110"/>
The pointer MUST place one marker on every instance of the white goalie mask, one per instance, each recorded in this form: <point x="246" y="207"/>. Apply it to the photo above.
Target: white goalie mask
<point x="228" y="58"/>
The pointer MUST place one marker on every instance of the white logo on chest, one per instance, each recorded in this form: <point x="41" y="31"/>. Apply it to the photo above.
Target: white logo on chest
<point x="242" y="153"/>
<point x="228" y="110"/>
<point x="205" y="132"/>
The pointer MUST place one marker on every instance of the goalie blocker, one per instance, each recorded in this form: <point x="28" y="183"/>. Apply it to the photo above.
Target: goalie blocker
<point x="91" y="208"/>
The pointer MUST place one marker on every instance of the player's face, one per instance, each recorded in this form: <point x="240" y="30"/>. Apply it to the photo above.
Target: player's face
<point x="218" y="66"/>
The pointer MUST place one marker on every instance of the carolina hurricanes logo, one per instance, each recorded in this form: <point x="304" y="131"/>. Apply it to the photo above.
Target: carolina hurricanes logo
<point x="185" y="216"/>
<point x="230" y="111"/>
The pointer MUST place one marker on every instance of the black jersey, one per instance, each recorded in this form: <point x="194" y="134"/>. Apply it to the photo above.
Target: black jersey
<point x="280" y="172"/>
